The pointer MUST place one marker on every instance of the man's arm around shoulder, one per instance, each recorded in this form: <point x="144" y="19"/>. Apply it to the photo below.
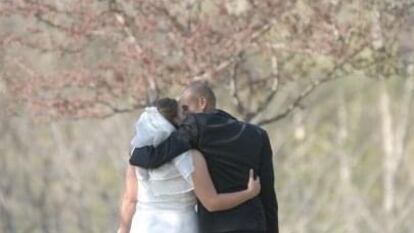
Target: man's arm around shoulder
<point x="177" y="143"/>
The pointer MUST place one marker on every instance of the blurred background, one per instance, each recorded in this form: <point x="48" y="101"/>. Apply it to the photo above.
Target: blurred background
<point x="331" y="81"/>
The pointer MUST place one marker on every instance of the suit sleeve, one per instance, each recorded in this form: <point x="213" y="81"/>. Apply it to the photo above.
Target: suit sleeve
<point x="177" y="143"/>
<point x="267" y="194"/>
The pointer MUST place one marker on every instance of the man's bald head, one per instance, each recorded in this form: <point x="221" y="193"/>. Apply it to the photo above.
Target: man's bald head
<point x="198" y="97"/>
<point x="201" y="89"/>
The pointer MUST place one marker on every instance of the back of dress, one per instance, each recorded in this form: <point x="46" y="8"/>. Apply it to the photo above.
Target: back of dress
<point x="166" y="201"/>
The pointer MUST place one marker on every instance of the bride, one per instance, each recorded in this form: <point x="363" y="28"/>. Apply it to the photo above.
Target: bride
<point x="164" y="199"/>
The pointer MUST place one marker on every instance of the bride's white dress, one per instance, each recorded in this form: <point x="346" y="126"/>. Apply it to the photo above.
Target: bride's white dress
<point x="166" y="202"/>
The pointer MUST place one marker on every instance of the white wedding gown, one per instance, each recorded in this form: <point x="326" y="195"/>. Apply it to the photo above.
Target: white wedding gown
<point x="166" y="201"/>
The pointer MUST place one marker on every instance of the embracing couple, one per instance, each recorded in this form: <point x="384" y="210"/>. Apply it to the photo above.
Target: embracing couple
<point x="197" y="169"/>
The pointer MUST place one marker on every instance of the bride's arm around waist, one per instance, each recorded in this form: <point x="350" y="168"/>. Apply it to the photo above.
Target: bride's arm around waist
<point x="129" y="200"/>
<point x="207" y="193"/>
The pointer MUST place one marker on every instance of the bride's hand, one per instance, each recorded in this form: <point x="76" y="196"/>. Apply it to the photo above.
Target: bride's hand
<point x="121" y="230"/>
<point x="253" y="185"/>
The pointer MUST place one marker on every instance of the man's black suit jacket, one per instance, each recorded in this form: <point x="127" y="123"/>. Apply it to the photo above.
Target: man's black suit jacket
<point x="230" y="148"/>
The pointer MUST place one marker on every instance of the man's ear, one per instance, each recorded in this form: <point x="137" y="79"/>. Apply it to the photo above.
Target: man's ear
<point x="203" y="103"/>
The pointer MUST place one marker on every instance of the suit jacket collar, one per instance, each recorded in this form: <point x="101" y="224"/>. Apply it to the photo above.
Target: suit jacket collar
<point x="225" y="114"/>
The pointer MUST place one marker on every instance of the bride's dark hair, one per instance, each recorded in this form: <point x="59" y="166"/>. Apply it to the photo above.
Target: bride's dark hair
<point x="168" y="108"/>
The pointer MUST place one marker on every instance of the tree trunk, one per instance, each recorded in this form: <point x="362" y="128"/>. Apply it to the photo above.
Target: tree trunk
<point x="344" y="166"/>
<point x="389" y="152"/>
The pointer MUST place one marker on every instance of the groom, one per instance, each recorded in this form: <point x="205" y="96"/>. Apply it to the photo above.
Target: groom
<point x="231" y="148"/>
